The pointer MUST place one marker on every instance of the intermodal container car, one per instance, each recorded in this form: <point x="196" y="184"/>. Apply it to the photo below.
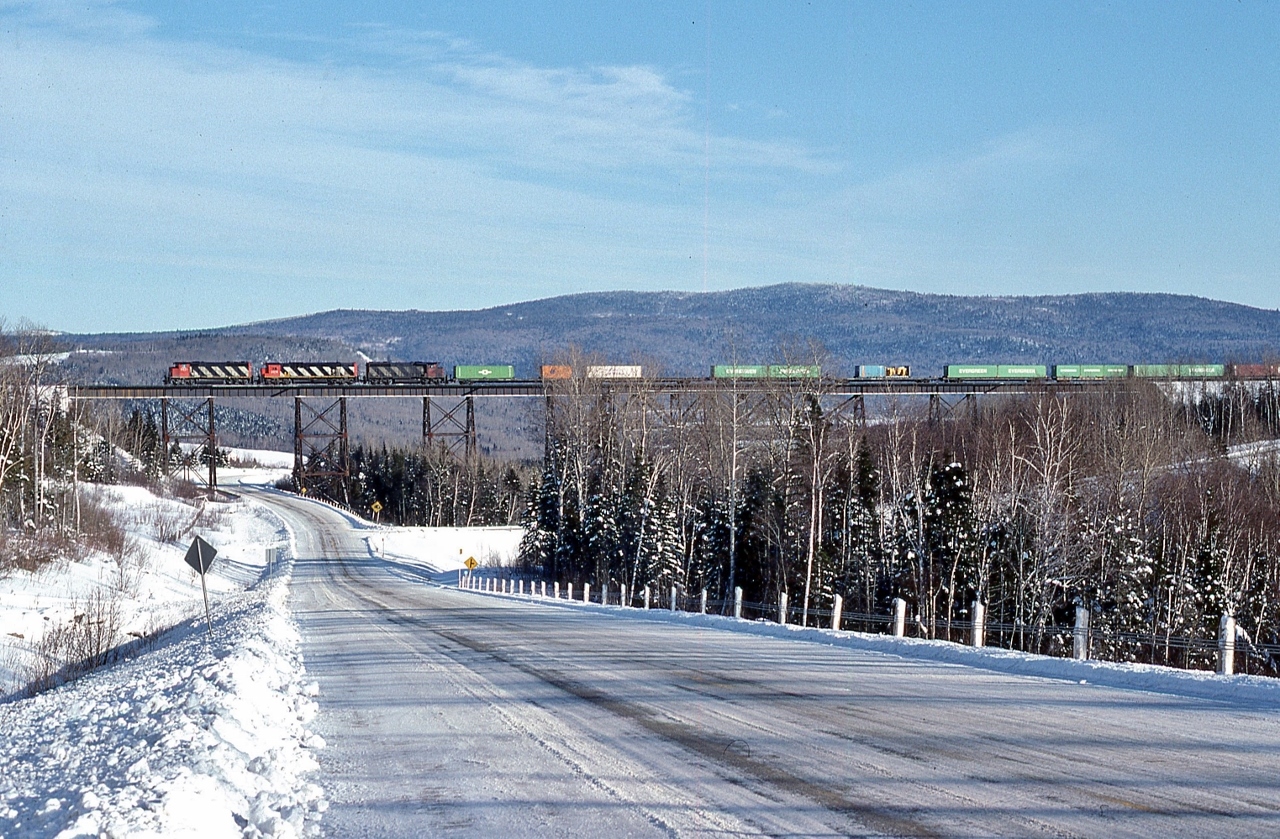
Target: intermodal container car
<point x="1255" y="371"/>
<point x="310" y="370"/>
<point x="1021" y="371"/>
<point x="739" y="371"/>
<point x="209" y="372"/>
<point x="795" y="371"/>
<point x="403" y="372"/>
<point x="615" y="371"/>
<point x="970" y="371"/>
<point x="1090" y="371"/>
<point x="881" y="371"/>
<point x="484" y="372"/>
<point x="1179" y="371"/>
<point x="557" y="371"/>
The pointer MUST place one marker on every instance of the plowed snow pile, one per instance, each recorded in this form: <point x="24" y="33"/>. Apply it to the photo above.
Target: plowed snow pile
<point x="205" y="734"/>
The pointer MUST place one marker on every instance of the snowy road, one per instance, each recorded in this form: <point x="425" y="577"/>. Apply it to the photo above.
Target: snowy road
<point x="459" y="714"/>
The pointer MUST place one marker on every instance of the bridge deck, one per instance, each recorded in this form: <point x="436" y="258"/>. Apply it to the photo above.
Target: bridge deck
<point x="535" y="387"/>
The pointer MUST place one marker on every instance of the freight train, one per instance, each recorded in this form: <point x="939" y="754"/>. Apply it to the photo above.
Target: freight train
<point x="430" y="372"/>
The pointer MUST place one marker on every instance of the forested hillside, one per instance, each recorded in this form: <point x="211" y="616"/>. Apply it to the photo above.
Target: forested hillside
<point x="683" y="333"/>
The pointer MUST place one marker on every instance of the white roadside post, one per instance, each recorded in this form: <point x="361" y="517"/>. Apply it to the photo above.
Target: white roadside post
<point x="737" y="601"/>
<point x="837" y="606"/>
<point x="521" y="592"/>
<point x="570" y="591"/>
<point x="556" y="590"/>
<point x="673" y="598"/>
<point x="586" y="592"/>
<point x="622" y="598"/>
<point x="1080" y="635"/>
<point x="1226" y="645"/>
<point x="702" y="603"/>
<point x="646" y="597"/>
<point x="899" y="617"/>
<point x="782" y="608"/>
<point x="979" y="624"/>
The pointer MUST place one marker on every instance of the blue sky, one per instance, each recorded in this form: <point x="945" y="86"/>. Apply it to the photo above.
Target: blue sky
<point x="163" y="166"/>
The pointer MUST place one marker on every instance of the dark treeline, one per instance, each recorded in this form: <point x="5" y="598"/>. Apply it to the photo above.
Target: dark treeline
<point x="1123" y="500"/>
<point x="432" y="488"/>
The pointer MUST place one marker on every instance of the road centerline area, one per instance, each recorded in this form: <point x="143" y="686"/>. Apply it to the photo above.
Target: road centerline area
<point x="453" y="713"/>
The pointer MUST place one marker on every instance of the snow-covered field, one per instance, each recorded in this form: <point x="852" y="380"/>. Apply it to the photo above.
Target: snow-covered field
<point x="204" y="733"/>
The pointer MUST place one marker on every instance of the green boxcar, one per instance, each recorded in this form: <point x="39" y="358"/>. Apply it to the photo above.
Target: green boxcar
<point x="1021" y="371"/>
<point x="795" y="371"/>
<point x="970" y="371"/>
<point x="739" y="371"/>
<point x="487" y="372"/>
<point x="1090" y="371"/>
<point x="1179" y="371"/>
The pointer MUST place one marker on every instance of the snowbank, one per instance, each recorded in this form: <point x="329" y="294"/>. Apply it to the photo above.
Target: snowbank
<point x="203" y="736"/>
<point x="148" y="586"/>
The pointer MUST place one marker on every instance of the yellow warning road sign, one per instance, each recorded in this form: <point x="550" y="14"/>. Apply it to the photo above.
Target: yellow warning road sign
<point x="471" y="563"/>
<point x="376" y="506"/>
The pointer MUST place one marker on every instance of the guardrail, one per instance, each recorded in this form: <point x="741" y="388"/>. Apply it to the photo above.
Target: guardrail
<point x="1231" y="650"/>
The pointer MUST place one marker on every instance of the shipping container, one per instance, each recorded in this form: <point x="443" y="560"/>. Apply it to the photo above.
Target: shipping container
<point x="557" y="371"/>
<point x="310" y="370"/>
<point x="1179" y="371"/>
<point x="1090" y="371"/>
<point x="899" y="371"/>
<point x="795" y="371"/>
<point x="485" y="372"/>
<point x="739" y="371"/>
<point x="1021" y="371"/>
<point x="190" y="372"/>
<point x="970" y="371"/>
<point x="408" y="372"/>
<point x="1255" y="371"/>
<point x="871" y="371"/>
<point x="615" y="371"/>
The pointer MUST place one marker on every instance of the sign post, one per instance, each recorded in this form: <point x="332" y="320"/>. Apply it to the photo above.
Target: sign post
<point x="377" y="508"/>
<point x="200" y="556"/>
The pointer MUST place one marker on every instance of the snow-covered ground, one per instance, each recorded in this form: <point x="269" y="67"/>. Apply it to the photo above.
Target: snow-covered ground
<point x="203" y="733"/>
<point x="445" y="548"/>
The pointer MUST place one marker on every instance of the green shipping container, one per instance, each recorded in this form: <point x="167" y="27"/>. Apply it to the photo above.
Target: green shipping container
<point x="1090" y="371"/>
<point x="970" y="371"/>
<point x="739" y="371"/>
<point x="1179" y="371"/>
<point x="472" y="372"/>
<point x="795" y="371"/>
<point x="1021" y="371"/>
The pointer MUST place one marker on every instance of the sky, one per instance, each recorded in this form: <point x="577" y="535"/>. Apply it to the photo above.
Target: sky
<point x="188" y="165"/>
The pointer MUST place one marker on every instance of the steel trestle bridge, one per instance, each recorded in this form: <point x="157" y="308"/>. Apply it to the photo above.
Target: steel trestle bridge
<point x="321" y="440"/>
